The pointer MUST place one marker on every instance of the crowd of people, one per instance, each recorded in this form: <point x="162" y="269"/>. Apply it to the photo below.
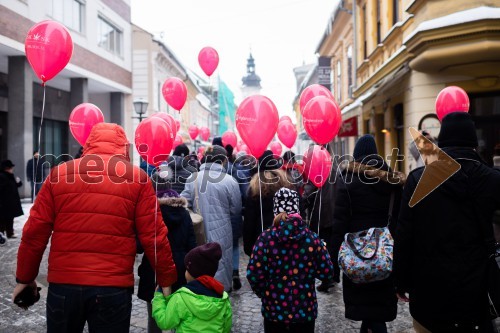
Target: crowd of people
<point x="292" y="233"/>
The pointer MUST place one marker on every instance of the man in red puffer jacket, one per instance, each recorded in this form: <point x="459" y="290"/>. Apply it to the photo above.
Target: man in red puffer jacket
<point x="94" y="207"/>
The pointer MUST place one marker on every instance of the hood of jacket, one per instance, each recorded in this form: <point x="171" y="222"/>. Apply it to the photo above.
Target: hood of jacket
<point x="107" y="139"/>
<point x="172" y="210"/>
<point x="292" y="229"/>
<point x="379" y="170"/>
<point x="203" y="307"/>
<point x="212" y="167"/>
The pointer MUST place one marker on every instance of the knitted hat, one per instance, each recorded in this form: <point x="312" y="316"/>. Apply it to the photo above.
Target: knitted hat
<point x="215" y="154"/>
<point x="285" y="200"/>
<point x="162" y="179"/>
<point x="217" y="141"/>
<point x="457" y="130"/>
<point x="365" y="146"/>
<point x="203" y="260"/>
<point x="181" y="150"/>
<point x="269" y="162"/>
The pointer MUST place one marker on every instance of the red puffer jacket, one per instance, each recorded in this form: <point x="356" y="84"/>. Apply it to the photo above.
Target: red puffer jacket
<point x="94" y="207"/>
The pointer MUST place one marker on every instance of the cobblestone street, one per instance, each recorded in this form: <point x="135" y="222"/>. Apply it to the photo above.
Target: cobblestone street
<point x="246" y="306"/>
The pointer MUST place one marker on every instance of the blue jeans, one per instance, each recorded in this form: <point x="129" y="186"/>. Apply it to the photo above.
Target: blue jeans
<point x="105" y="309"/>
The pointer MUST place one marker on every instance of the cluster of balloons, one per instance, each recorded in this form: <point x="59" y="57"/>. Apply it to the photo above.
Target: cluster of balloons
<point x="203" y="132"/>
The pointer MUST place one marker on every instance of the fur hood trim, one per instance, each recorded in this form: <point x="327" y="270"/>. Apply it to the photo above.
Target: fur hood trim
<point x="394" y="178"/>
<point x="173" y="202"/>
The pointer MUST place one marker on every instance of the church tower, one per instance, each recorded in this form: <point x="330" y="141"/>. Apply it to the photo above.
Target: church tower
<point x="251" y="82"/>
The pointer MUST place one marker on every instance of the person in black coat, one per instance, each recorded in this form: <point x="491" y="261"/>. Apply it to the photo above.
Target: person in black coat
<point x="182" y="169"/>
<point x="10" y="202"/>
<point x="35" y="173"/>
<point x="271" y="179"/>
<point x="363" y="197"/>
<point x="180" y="235"/>
<point x="440" y="254"/>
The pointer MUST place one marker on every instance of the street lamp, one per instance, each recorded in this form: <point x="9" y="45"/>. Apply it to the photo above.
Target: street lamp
<point x="140" y="107"/>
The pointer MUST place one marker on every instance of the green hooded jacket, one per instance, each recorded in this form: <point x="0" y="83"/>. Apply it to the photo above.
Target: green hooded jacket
<point x="187" y="312"/>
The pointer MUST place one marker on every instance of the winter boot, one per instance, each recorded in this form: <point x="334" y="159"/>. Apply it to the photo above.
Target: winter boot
<point x="236" y="280"/>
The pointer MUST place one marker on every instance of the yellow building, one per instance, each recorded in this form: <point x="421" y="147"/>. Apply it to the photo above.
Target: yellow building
<point x="406" y="52"/>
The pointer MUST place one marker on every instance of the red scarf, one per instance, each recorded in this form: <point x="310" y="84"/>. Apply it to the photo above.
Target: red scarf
<point x="211" y="283"/>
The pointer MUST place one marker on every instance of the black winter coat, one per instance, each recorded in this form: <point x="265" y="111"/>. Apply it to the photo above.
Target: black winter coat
<point x="362" y="203"/>
<point x="182" y="240"/>
<point x="10" y="202"/>
<point x="252" y="226"/>
<point x="440" y="254"/>
<point x="182" y="171"/>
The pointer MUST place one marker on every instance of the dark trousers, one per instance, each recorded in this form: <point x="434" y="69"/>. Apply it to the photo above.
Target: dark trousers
<point x="7" y="226"/>
<point x="105" y="309"/>
<point x="35" y="188"/>
<point x="280" y="327"/>
<point x="373" y="326"/>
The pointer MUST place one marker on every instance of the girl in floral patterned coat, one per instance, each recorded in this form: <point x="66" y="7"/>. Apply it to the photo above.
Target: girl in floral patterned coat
<point x="286" y="260"/>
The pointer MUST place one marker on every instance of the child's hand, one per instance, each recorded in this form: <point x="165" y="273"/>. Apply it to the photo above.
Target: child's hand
<point x="166" y="291"/>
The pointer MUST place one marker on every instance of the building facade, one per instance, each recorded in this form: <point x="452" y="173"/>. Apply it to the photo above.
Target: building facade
<point x="153" y="63"/>
<point x="405" y="53"/>
<point x="99" y="72"/>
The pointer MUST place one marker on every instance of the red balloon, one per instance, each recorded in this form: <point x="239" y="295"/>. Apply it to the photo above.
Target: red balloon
<point x="322" y="119"/>
<point x="193" y="131"/>
<point x="287" y="118"/>
<point x="312" y="91"/>
<point x="170" y="122"/>
<point x="257" y="121"/>
<point x="208" y="58"/>
<point x="276" y="148"/>
<point x="287" y="133"/>
<point x="451" y="99"/>
<point x="201" y="150"/>
<point x="48" y="47"/>
<point x="244" y="148"/>
<point x="229" y="138"/>
<point x="177" y="141"/>
<point x="153" y="140"/>
<point x="204" y="133"/>
<point x="177" y="125"/>
<point x="175" y="92"/>
<point x="82" y="119"/>
<point x="317" y="165"/>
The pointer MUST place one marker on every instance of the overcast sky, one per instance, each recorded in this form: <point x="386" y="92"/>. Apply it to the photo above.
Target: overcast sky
<point x="282" y="34"/>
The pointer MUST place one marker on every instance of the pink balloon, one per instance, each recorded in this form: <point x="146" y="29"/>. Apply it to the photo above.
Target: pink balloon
<point x="201" y="150"/>
<point x="177" y="125"/>
<point x="175" y="92"/>
<point x="257" y="121"/>
<point x="312" y="91"/>
<point x="317" y="165"/>
<point x="48" y="47"/>
<point x="244" y="148"/>
<point x="177" y="141"/>
<point x="451" y="99"/>
<point x="153" y="140"/>
<point x="193" y="131"/>
<point x="283" y="118"/>
<point x="229" y="138"/>
<point x="82" y="119"/>
<point x="170" y="122"/>
<point x="276" y="148"/>
<point x="322" y="119"/>
<point x="287" y="133"/>
<point x="204" y="133"/>
<point x="208" y="58"/>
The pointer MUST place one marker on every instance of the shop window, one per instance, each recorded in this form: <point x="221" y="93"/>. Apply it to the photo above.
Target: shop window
<point x="339" y="81"/>
<point x="395" y="11"/>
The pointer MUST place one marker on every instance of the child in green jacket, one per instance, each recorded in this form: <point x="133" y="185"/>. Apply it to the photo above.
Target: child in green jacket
<point x="201" y="305"/>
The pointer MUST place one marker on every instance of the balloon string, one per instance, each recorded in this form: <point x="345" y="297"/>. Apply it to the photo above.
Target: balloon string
<point x="260" y="198"/>
<point x="156" y="219"/>
<point x="39" y="148"/>
<point x="319" y="212"/>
